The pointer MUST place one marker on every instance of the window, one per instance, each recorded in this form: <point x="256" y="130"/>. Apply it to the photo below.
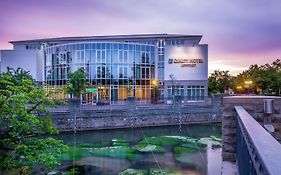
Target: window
<point x="98" y="56"/>
<point x="176" y="90"/>
<point x="123" y="72"/>
<point x="195" y="93"/>
<point x="120" y="56"/>
<point x="101" y="72"/>
<point x="80" y="57"/>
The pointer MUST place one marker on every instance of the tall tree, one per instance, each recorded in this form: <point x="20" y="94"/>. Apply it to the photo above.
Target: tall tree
<point x="219" y="81"/>
<point x="22" y="106"/>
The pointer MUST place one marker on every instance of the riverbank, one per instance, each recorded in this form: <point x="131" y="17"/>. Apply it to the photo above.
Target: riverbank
<point x="132" y="117"/>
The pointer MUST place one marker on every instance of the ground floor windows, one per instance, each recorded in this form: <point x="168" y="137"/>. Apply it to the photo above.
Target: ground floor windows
<point x="195" y="93"/>
<point x="175" y="91"/>
<point x="187" y="93"/>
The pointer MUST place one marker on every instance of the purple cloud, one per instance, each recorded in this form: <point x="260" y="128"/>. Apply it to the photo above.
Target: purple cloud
<point x="233" y="29"/>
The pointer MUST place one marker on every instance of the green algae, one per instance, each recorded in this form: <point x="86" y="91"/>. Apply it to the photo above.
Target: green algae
<point x="150" y="148"/>
<point x="161" y="140"/>
<point x="119" y="142"/>
<point x="216" y="138"/>
<point x="75" y="153"/>
<point x="134" y="172"/>
<point x="165" y="171"/>
<point x="183" y="149"/>
<point x="212" y="142"/>
<point x="114" y="151"/>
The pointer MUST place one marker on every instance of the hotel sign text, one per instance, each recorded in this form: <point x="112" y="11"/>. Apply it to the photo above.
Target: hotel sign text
<point x="186" y="62"/>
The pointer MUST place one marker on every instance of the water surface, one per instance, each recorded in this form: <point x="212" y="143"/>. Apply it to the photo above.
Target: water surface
<point x="91" y="159"/>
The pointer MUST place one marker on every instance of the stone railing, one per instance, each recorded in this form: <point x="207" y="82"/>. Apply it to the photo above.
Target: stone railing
<point x="254" y="105"/>
<point x="257" y="151"/>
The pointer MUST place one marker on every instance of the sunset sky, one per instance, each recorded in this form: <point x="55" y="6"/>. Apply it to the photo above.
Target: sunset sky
<point x="239" y="33"/>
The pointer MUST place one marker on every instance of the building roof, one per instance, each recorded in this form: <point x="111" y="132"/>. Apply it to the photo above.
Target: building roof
<point x="109" y="37"/>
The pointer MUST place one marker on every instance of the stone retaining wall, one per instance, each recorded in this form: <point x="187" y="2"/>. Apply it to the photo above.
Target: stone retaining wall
<point x="254" y="106"/>
<point x="64" y="122"/>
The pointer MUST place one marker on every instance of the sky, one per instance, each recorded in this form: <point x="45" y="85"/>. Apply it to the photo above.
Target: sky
<point x="239" y="33"/>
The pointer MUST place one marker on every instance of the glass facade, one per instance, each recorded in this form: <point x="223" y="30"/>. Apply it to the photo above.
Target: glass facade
<point x="116" y="69"/>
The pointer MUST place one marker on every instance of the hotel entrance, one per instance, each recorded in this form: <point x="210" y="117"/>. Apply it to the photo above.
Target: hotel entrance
<point x="103" y="95"/>
<point x="97" y="95"/>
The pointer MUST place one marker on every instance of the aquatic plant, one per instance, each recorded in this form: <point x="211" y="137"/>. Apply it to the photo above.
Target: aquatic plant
<point x="114" y="151"/>
<point x="150" y="148"/>
<point x="134" y="172"/>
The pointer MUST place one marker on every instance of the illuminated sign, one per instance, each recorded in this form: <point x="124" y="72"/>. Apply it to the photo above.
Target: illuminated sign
<point x="185" y="62"/>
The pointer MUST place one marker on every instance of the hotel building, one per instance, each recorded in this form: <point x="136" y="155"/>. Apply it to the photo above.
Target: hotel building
<point x="117" y="66"/>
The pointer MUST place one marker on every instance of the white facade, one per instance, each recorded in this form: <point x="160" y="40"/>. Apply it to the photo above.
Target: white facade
<point x="30" y="60"/>
<point x="186" y="62"/>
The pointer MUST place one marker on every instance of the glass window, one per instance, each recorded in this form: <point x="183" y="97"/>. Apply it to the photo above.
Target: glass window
<point x="125" y="56"/>
<point x="126" y="47"/>
<point x="98" y="45"/>
<point x="120" y="56"/>
<point x="98" y="56"/>
<point x="137" y="47"/>
<point x="115" y="46"/>
<point x="103" y="56"/>
<point x="107" y="45"/>
<point x="87" y="56"/>
<point x="93" y="46"/>
<point x="114" y="56"/>
<point x="143" y="59"/>
<point x="93" y="56"/>
<point x="137" y="58"/>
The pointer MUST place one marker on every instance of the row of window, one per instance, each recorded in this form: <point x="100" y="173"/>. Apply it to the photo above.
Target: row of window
<point x="100" y="56"/>
<point x="175" y="42"/>
<point x="193" y="92"/>
<point x="102" y="46"/>
<point x="103" y="72"/>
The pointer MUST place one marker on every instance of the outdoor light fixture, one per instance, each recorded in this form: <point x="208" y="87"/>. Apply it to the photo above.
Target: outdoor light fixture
<point x="249" y="82"/>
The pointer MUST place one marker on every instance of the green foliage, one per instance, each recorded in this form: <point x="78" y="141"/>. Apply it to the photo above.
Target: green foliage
<point x="266" y="78"/>
<point x="21" y="147"/>
<point x="77" y="82"/>
<point x="219" y="81"/>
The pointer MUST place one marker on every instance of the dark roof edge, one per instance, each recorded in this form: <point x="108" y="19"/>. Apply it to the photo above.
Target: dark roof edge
<point x="108" y="37"/>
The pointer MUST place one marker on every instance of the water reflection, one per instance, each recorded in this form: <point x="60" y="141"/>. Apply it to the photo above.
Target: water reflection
<point x="201" y="162"/>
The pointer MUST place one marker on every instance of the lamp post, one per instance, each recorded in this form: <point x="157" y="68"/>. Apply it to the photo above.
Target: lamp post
<point x="239" y="88"/>
<point x="155" y="84"/>
<point x="248" y="84"/>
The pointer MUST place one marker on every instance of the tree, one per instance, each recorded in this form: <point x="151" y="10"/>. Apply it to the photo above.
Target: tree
<point x="219" y="81"/>
<point x="266" y="79"/>
<point x="23" y="121"/>
<point x="77" y="83"/>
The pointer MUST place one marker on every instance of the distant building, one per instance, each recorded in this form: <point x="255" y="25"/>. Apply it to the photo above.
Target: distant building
<point x="178" y="63"/>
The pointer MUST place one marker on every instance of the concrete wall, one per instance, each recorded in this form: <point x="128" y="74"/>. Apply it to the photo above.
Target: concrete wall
<point x="254" y="106"/>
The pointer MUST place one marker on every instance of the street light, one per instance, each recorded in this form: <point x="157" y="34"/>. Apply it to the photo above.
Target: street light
<point x="248" y="83"/>
<point x="155" y="84"/>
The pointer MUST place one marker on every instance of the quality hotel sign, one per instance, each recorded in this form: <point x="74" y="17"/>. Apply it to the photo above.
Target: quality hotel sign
<point x="185" y="62"/>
